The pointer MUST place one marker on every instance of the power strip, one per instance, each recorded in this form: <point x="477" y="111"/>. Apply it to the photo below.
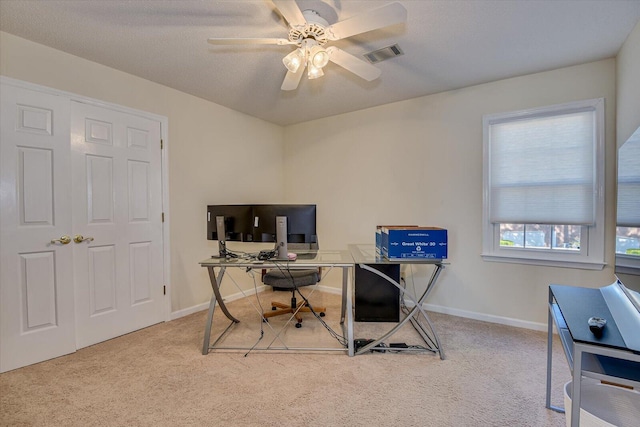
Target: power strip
<point x="358" y="343"/>
<point x="398" y="345"/>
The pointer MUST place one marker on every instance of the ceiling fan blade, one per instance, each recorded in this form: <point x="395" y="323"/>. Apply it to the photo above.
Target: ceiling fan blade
<point x="291" y="12"/>
<point x="230" y="41"/>
<point x="356" y="65"/>
<point x="292" y="80"/>
<point x="393" y="13"/>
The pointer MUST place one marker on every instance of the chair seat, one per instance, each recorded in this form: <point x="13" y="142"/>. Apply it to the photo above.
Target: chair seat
<point x="290" y="279"/>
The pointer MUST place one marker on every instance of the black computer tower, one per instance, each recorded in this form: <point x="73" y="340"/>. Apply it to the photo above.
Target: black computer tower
<point x="377" y="300"/>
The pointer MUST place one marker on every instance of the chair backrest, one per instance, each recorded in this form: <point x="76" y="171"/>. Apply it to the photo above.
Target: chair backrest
<point x="274" y="278"/>
<point x="301" y="247"/>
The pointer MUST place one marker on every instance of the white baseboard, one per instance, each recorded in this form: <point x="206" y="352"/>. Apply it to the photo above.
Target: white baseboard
<point x="187" y="311"/>
<point x="486" y="317"/>
<point x="429" y="307"/>
<point x="330" y="290"/>
<point x="205" y="305"/>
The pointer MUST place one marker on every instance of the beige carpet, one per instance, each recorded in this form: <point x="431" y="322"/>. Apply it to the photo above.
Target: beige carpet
<point x="493" y="376"/>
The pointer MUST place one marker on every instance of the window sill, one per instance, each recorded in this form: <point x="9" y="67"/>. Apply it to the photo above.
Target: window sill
<point x="628" y="264"/>
<point x="583" y="265"/>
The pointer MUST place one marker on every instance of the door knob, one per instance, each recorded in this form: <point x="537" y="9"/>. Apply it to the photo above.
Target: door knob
<point x="78" y="238"/>
<point x="64" y="240"/>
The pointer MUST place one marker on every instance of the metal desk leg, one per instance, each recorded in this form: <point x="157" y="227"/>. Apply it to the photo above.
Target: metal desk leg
<point x="575" y="386"/>
<point x="550" y="358"/>
<point x="432" y="281"/>
<point x="413" y="317"/>
<point x="216" y="297"/>
<point x="410" y="316"/>
<point x="549" y="354"/>
<point x="216" y="282"/>
<point x="207" y="326"/>
<point x="347" y="292"/>
<point x="343" y="309"/>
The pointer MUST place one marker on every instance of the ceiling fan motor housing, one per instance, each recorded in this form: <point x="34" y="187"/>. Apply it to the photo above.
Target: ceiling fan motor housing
<point x="314" y="28"/>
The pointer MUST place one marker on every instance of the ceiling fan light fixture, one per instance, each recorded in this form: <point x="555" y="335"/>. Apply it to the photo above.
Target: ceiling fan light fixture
<point x="313" y="71"/>
<point x="294" y="60"/>
<point x="318" y="56"/>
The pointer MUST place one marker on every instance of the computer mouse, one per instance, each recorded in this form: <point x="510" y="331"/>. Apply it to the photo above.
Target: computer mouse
<point x="596" y="325"/>
<point x="291" y="256"/>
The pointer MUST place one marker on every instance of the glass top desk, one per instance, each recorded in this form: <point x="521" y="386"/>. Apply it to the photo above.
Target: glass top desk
<point x="308" y="259"/>
<point x="364" y="256"/>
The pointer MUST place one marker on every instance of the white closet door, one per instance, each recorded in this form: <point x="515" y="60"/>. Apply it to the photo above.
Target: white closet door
<point x="36" y="276"/>
<point x="117" y="206"/>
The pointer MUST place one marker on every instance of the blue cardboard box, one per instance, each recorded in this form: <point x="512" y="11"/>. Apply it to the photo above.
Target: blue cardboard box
<point x="414" y="242"/>
<point x="379" y="245"/>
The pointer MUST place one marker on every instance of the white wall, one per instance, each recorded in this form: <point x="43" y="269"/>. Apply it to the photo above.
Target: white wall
<point x="216" y="155"/>
<point x="628" y="86"/>
<point x="420" y="161"/>
<point x="417" y="161"/>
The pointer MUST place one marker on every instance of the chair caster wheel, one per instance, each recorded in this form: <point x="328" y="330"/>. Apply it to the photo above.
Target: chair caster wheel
<point x="265" y="320"/>
<point x="274" y="308"/>
<point x="322" y="314"/>
<point x="298" y="325"/>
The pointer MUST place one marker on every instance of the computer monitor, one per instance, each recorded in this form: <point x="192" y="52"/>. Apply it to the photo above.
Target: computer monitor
<point x="238" y="222"/>
<point x="300" y="223"/>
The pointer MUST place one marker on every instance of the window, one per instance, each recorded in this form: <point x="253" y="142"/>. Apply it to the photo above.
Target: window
<point x="541" y="236"/>
<point x="628" y="224"/>
<point x="543" y="185"/>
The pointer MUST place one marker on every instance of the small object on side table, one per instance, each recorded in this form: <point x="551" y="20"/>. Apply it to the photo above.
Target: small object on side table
<point x="596" y="325"/>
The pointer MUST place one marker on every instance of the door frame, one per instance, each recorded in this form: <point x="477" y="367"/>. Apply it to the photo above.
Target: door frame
<point x="164" y="135"/>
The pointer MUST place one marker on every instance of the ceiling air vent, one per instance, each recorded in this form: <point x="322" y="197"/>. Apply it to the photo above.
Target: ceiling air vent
<point x="384" y="53"/>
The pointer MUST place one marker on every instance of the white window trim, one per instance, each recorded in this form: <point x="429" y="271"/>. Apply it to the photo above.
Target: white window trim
<point x="591" y="254"/>
<point x="627" y="264"/>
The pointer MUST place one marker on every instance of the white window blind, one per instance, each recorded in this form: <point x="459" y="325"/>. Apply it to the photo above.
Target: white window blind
<point x="543" y="169"/>
<point x="629" y="184"/>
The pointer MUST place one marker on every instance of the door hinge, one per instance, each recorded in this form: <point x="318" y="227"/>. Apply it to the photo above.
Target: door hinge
<point x="162" y="216"/>
<point x="161" y="144"/>
<point x="164" y="289"/>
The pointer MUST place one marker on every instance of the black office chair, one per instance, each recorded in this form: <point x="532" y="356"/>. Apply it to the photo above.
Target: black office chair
<point x="292" y="280"/>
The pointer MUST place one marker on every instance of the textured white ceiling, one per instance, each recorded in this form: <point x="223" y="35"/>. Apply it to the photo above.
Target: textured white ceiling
<point x="447" y="45"/>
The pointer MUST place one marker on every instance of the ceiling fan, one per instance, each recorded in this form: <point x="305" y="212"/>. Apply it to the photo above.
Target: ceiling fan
<point x="310" y="33"/>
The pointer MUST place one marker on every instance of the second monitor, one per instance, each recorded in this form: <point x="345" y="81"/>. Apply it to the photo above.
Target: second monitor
<point x="300" y="223"/>
<point x="283" y="224"/>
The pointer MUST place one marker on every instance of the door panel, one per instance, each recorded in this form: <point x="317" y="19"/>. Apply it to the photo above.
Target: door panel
<point x="35" y="188"/>
<point x="38" y="285"/>
<point x="139" y="192"/>
<point x="116" y="164"/>
<point x="140" y="263"/>
<point x="102" y="279"/>
<point x="36" y="275"/>
<point x="101" y="180"/>
<point x="99" y="189"/>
